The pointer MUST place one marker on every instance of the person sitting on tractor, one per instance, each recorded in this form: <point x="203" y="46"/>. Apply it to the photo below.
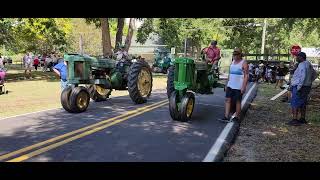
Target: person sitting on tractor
<point x="213" y="54"/>
<point x="122" y="53"/>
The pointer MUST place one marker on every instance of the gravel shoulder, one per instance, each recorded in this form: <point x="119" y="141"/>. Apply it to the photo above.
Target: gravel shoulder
<point x="264" y="135"/>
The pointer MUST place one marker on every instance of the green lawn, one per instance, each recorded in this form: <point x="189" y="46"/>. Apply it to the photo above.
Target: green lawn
<point x="41" y="93"/>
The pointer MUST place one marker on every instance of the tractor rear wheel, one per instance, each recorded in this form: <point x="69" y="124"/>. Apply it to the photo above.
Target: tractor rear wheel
<point x="98" y="92"/>
<point x="139" y="82"/>
<point x="79" y="99"/>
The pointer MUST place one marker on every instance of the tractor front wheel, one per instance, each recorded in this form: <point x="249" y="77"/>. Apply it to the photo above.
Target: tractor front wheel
<point x="79" y="99"/>
<point x="187" y="106"/>
<point x="65" y="99"/>
<point x="170" y="81"/>
<point x="173" y="106"/>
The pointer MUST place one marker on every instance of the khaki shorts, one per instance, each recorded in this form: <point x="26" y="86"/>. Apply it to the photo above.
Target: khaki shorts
<point x="27" y="66"/>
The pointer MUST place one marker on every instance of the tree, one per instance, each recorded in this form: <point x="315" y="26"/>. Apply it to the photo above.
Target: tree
<point x="173" y="31"/>
<point x="119" y="30"/>
<point x="130" y="34"/>
<point x="119" y="34"/>
<point x="106" y="41"/>
<point x="36" y="34"/>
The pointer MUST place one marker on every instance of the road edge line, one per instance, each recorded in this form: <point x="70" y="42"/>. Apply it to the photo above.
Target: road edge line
<point x="225" y="139"/>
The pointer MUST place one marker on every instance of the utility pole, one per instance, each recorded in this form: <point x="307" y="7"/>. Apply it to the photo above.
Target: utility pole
<point x="185" y="47"/>
<point x="263" y="36"/>
<point x="81" y="44"/>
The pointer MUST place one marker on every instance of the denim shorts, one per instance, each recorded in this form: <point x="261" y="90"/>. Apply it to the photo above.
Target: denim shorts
<point x="234" y="94"/>
<point x="300" y="99"/>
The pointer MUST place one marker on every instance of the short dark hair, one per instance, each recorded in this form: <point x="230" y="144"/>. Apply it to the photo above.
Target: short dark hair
<point x="302" y="54"/>
<point x="214" y="42"/>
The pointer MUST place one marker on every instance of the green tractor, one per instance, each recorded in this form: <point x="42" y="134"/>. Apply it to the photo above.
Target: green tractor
<point x="100" y="76"/>
<point x="185" y="78"/>
<point x="162" y="61"/>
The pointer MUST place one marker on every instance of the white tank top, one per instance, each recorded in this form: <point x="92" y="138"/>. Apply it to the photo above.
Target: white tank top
<point x="236" y="75"/>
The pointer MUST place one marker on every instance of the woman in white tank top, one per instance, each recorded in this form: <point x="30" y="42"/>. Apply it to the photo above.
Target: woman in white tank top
<point x="236" y="84"/>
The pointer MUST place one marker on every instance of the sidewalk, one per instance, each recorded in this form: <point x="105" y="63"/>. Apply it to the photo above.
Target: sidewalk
<point x="264" y="135"/>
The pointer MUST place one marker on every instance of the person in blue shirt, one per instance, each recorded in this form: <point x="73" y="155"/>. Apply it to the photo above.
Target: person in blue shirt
<point x="301" y="83"/>
<point x="61" y="70"/>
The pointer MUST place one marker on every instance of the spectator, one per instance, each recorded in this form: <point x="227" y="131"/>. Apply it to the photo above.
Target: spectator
<point x="36" y="62"/>
<point x="61" y="70"/>
<point x="1" y="62"/>
<point x="262" y="71"/>
<point x="269" y="74"/>
<point x="27" y="61"/>
<point x="280" y="74"/>
<point x="47" y="63"/>
<point x="301" y="85"/>
<point x="236" y="84"/>
<point x="251" y="72"/>
<point x="257" y="73"/>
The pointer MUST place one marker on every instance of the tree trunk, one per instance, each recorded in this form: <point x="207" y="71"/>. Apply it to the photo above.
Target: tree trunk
<point x="198" y="50"/>
<point x="106" y="41"/>
<point x="130" y="34"/>
<point x="119" y="33"/>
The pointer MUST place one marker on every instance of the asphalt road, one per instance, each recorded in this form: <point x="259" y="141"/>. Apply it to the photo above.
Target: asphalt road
<point x="115" y="131"/>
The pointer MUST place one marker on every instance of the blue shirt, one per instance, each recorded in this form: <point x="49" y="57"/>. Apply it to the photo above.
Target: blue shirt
<point x="302" y="75"/>
<point x="62" y="68"/>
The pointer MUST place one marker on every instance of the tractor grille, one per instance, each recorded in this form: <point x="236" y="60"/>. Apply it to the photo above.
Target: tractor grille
<point x="78" y="70"/>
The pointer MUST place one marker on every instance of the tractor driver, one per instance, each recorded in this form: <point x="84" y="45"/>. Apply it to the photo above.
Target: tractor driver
<point x="213" y="54"/>
<point x="122" y="53"/>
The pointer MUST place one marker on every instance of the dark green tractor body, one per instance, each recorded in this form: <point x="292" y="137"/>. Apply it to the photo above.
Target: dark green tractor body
<point x="162" y="61"/>
<point x="102" y="75"/>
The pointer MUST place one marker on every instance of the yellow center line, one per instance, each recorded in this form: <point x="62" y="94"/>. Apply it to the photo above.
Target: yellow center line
<point x="86" y="133"/>
<point x="14" y="153"/>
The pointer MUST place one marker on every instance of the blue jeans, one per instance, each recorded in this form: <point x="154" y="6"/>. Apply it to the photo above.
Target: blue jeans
<point x="64" y="84"/>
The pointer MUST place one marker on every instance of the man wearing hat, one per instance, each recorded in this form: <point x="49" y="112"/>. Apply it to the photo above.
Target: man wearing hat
<point x="213" y="54"/>
<point x="236" y="84"/>
<point x="301" y="85"/>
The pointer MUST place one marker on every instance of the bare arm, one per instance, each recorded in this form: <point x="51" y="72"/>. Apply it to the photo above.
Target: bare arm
<point x="56" y="71"/>
<point x="246" y="76"/>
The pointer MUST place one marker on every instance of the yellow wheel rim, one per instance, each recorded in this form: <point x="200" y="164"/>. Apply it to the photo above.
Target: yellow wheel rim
<point x="144" y="82"/>
<point x="102" y="91"/>
<point x="82" y="100"/>
<point x="190" y="107"/>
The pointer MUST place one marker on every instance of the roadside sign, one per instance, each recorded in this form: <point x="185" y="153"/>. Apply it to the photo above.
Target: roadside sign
<point x="173" y="50"/>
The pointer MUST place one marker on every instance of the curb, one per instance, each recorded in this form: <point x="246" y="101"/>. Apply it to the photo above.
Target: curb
<point x="230" y="132"/>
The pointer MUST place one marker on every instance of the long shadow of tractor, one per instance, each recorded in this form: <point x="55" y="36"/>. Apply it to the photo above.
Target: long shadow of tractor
<point x="102" y="75"/>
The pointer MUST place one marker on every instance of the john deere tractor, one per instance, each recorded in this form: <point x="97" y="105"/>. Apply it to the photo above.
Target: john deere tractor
<point x="162" y="61"/>
<point x="99" y="76"/>
<point x="185" y="78"/>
